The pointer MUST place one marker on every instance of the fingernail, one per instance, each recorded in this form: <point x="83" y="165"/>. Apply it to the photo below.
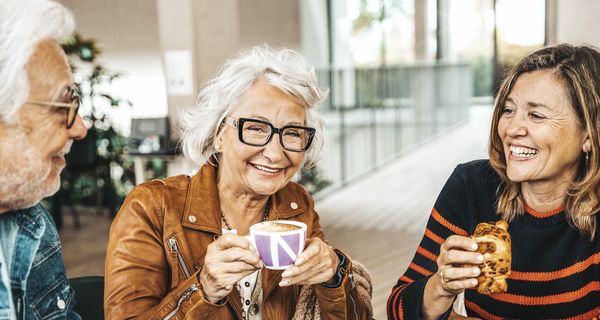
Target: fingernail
<point x="299" y="261"/>
<point x="286" y="274"/>
<point x="284" y="283"/>
<point x="480" y="258"/>
<point x="474" y="246"/>
<point x="473" y="282"/>
<point x="475" y="271"/>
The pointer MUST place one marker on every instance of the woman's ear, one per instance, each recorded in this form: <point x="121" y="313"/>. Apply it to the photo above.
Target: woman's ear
<point x="218" y="142"/>
<point x="587" y="145"/>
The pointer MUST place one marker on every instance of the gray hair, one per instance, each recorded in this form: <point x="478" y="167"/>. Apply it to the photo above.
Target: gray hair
<point x="284" y="69"/>
<point x="24" y="23"/>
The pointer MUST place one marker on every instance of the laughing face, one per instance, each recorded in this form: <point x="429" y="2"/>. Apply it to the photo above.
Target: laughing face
<point x="260" y="171"/>
<point x="542" y="139"/>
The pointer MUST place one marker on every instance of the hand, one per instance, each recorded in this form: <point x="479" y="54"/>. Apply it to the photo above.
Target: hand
<point x="316" y="264"/>
<point x="451" y="277"/>
<point x="456" y="316"/>
<point x="227" y="261"/>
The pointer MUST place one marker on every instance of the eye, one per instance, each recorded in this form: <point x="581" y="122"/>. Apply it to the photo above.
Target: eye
<point x="507" y="111"/>
<point x="536" y="116"/>
<point x="293" y="133"/>
<point x="260" y="129"/>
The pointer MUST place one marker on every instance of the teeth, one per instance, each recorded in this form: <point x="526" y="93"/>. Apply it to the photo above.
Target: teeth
<point x="523" y="152"/>
<point x="265" y="168"/>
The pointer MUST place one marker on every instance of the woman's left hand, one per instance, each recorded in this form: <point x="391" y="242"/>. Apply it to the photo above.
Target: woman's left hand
<point x="316" y="264"/>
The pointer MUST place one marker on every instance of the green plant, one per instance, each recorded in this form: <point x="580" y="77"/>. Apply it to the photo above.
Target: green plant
<point x="311" y="179"/>
<point x="98" y="173"/>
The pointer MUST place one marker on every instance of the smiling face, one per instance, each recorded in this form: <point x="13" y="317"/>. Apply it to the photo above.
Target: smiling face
<point x="32" y="150"/>
<point x="260" y="171"/>
<point x="540" y="134"/>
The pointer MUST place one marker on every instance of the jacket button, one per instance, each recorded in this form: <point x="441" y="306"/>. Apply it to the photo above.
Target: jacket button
<point x="192" y="219"/>
<point x="294" y="205"/>
<point x="60" y="303"/>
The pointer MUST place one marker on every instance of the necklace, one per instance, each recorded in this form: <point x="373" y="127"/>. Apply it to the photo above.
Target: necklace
<point x="253" y="309"/>
<point x="265" y="216"/>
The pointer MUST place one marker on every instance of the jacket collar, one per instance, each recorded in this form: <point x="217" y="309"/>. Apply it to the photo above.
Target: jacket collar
<point x="202" y="207"/>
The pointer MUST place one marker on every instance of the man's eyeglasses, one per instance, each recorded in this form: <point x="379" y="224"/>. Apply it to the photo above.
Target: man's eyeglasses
<point x="258" y="133"/>
<point x="72" y="106"/>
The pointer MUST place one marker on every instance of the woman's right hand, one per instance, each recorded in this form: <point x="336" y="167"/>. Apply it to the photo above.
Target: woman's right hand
<point x="457" y="270"/>
<point x="227" y="261"/>
<point x="457" y="265"/>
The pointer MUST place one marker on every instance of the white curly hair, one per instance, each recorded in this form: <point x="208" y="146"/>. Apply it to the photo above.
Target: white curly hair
<point x="284" y="69"/>
<point x="23" y="24"/>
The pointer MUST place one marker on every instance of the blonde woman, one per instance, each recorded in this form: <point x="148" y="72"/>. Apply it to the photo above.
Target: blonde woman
<point x="543" y="177"/>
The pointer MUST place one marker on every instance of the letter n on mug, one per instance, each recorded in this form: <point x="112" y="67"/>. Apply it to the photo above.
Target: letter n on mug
<point x="279" y="242"/>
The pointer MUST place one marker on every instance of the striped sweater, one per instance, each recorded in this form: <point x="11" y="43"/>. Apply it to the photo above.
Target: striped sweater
<point x="555" y="270"/>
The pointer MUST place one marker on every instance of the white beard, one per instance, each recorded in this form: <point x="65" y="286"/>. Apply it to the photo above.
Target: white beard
<point x="25" y="178"/>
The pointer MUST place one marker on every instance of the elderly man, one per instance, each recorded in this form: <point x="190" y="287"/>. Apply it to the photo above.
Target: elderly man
<point x="38" y="123"/>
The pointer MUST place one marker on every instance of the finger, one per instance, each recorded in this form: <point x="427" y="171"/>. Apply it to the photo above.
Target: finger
<point x="236" y="267"/>
<point x="460" y="257"/>
<point x="461" y="273"/>
<point x="458" y="286"/>
<point x="311" y="250"/>
<point x="230" y="240"/>
<point x="310" y="276"/>
<point x="459" y="242"/>
<point x="311" y="272"/>
<point x="239" y="254"/>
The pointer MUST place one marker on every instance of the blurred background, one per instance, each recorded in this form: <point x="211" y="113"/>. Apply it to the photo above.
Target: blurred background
<point x="411" y="85"/>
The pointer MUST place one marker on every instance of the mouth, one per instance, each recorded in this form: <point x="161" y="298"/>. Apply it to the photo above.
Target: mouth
<point x="522" y="153"/>
<point x="60" y="155"/>
<point x="266" y="169"/>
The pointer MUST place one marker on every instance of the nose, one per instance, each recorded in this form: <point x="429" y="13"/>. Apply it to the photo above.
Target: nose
<point x="516" y="127"/>
<point x="274" y="150"/>
<point x="78" y="131"/>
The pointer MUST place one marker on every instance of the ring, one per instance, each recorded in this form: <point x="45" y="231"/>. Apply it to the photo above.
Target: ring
<point x="442" y="277"/>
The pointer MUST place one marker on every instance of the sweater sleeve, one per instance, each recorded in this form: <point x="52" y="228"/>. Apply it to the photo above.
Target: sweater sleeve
<point x="448" y="217"/>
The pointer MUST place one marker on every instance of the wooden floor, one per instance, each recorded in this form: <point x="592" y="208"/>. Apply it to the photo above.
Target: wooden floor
<point x="377" y="220"/>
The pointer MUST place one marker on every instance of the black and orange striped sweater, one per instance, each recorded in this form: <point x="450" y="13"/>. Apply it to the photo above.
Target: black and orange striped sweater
<point x="555" y="270"/>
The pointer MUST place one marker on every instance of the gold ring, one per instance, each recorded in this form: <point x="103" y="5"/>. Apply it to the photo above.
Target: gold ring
<point x="442" y="277"/>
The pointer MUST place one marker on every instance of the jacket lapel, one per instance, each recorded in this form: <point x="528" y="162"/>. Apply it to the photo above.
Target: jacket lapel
<point x="202" y="206"/>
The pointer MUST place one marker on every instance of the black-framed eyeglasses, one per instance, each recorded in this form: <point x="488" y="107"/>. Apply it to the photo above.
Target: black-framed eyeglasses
<point x="258" y="133"/>
<point x="72" y="106"/>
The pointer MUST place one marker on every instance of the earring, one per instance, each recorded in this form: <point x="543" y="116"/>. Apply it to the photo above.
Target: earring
<point x="218" y="147"/>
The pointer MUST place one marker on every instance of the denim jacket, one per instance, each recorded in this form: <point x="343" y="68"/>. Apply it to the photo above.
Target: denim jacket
<point x="33" y="261"/>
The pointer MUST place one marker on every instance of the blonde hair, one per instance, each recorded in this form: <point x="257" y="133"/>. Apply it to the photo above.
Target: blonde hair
<point x="23" y="24"/>
<point x="282" y="68"/>
<point x="578" y="68"/>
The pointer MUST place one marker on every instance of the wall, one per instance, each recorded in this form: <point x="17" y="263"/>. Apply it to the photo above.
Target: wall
<point x="577" y="21"/>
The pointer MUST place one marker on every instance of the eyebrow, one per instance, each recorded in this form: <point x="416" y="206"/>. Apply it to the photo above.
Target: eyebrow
<point x="269" y="121"/>
<point x="531" y="104"/>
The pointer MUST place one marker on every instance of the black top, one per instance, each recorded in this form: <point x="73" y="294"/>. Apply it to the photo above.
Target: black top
<point x="555" y="269"/>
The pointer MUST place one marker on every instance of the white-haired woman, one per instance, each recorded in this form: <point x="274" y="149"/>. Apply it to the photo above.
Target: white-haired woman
<point x="176" y="247"/>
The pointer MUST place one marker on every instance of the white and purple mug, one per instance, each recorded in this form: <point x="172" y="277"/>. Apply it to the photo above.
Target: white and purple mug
<point x="278" y="242"/>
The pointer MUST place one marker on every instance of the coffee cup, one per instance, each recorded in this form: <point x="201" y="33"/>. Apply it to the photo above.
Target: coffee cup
<point x="278" y="242"/>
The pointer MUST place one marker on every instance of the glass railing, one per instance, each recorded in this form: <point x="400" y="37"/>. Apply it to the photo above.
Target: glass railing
<point x="374" y="115"/>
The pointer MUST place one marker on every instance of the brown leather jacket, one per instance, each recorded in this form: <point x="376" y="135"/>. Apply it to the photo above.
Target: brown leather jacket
<point x="157" y="245"/>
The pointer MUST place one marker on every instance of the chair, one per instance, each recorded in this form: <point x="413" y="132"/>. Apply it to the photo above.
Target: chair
<point x="89" y="297"/>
